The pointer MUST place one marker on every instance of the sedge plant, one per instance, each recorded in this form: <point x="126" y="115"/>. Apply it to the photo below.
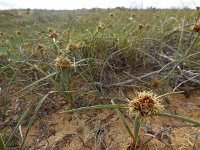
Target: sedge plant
<point x="143" y="105"/>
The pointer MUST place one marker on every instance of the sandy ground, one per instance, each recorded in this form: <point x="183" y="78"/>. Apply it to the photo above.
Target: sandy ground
<point x="103" y="130"/>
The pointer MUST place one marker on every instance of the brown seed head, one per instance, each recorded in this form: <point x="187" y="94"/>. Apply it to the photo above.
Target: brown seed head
<point x="111" y="15"/>
<point x="140" y="27"/>
<point x="52" y="33"/>
<point x="50" y="30"/>
<point x="40" y="47"/>
<point x="146" y="103"/>
<point x="19" y="33"/>
<point x="1" y="55"/>
<point x="72" y="46"/>
<point x="133" y="15"/>
<point x="26" y="45"/>
<point x="156" y="16"/>
<point x="81" y="44"/>
<point x="32" y="69"/>
<point x="156" y="82"/>
<point x="62" y="63"/>
<point x="12" y="37"/>
<point x="196" y="27"/>
<point x="100" y="27"/>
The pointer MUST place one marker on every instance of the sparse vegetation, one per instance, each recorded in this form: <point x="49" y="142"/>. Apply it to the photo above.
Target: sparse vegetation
<point x="66" y="61"/>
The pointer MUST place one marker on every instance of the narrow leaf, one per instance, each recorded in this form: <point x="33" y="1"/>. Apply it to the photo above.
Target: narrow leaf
<point x="33" y="117"/>
<point x="197" y="123"/>
<point x="17" y="126"/>
<point x="124" y="121"/>
<point x="116" y="106"/>
<point x="33" y="84"/>
<point x="2" y="145"/>
<point x="137" y="127"/>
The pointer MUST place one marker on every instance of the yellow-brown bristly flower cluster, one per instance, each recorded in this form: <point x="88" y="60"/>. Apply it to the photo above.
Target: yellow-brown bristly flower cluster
<point x="12" y="37"/>
<point x="62" y="63"/>
<point x="19" y="33"/>
<point x="147" y="26"/>
<point x="26" y="45"/>
<point x="74" y="46"/>
<point x="140" y="26"/>
<point x="133" y="15"/>
<point x="52" y="33"/>
<point x="196" y="27"/>
<point x="156" y="82"/>
<point x="1" y="55"/>
<point x="146" y="103"/>
<point x="100" y="27"/>
<point x="111" y="15"/>
<point x="40" y="47"/>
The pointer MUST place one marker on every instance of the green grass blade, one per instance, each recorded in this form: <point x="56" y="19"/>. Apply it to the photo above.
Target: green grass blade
<point x="57" y="86"/>
<point x="80" y="123"/>
<point x="171" y="93"/>
<point x="116" y="106"/>
<point x="197" y="123"/>
<point x="124" y="121"/>
<point x="12" y="79"/>
<point x="44" y="73"/>
<point x="34" y="83"/>
<point x="33" y="117"/>
<point x="137" y="127"/>
<point x="2" y="145"/>
<point x="17" y="126"/>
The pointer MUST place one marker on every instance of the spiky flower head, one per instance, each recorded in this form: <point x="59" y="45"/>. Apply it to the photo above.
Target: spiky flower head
<point x="196" y="27"/>
<point x="140" y="26"/>
<point x="81" y="44"/>
<point x="136" y="31"/>
<point x="72" y="46"/>
<point x="40" y="47"/>
<point x="26" y="45"/>
<point x="62" y="63"/>
<point x="146" y="103"/>
<point x="111" y="15"/>
<point x="100" y="27"/>
<point x="1" y="55"/>
<point x="52" y="33"/>
<point x="19" y="33"/>
<point x="147" y="26"/>
<point x="12" y="37"/>
<point x="156" y="82"/>
<point x="50" y="30"/>
<point x="133" y="15"/>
